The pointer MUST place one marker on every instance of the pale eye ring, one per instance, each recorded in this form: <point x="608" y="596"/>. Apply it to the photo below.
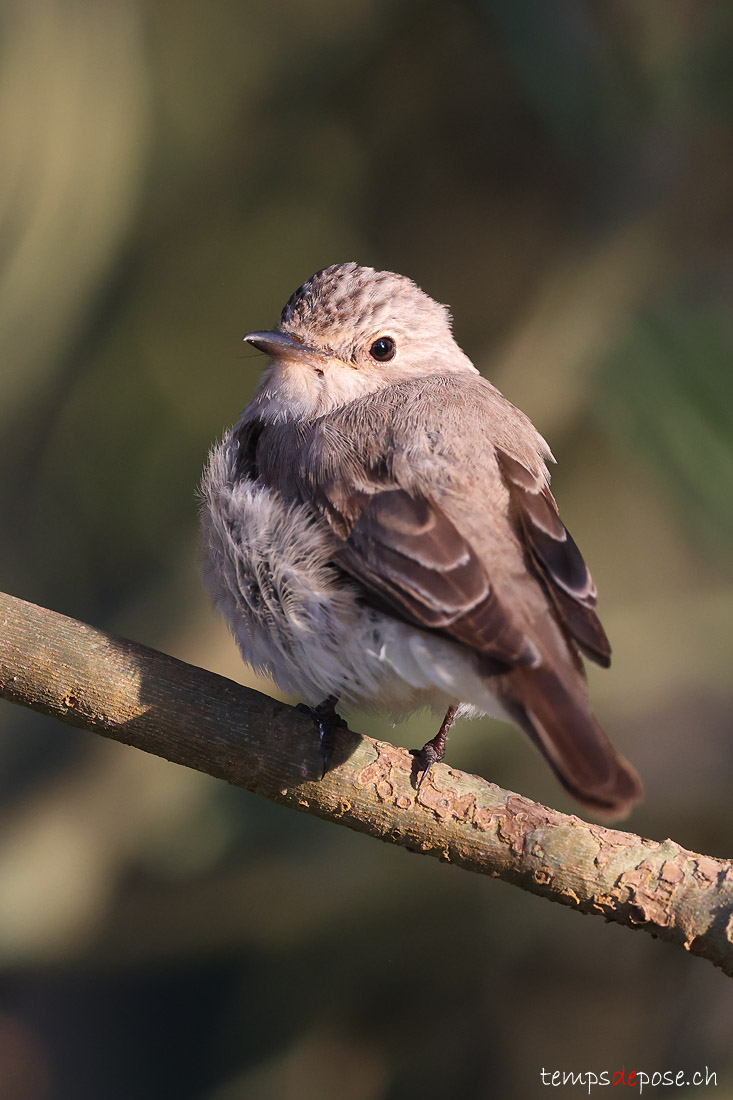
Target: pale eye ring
<point x="383" y="349"/>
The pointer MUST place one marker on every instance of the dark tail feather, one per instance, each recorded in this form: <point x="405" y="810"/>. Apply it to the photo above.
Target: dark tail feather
<point x="560" y="723"/>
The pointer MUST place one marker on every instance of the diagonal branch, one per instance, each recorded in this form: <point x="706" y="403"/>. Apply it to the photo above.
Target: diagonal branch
<point x="136" y="695"/>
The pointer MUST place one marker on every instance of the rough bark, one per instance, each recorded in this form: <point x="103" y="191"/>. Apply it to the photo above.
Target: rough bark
<point x="139" y="696"/>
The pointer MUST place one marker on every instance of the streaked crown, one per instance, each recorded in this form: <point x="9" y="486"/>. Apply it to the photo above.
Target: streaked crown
<point x="344" y="306"/>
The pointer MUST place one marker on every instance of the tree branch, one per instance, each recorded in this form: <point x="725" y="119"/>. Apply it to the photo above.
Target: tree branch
<point x="136" y="695"/>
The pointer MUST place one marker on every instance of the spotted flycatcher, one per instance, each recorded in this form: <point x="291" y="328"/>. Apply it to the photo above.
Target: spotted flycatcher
<point x="378" y="528"/>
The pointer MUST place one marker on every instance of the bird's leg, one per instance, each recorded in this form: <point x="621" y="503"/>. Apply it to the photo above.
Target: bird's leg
<point x="327" y="720"/>
<point x="434" y="751"/>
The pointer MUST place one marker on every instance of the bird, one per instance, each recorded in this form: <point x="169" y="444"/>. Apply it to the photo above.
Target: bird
<point x="378" y="531"/>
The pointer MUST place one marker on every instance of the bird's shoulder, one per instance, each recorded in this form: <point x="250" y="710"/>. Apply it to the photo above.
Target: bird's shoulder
<point x="461" y="415"/>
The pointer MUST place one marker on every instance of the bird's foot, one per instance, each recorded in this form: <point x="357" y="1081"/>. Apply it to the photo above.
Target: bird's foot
<point x="327" y="721"/>
<point x="425" y="758"/>
<point x="433" y="750"/>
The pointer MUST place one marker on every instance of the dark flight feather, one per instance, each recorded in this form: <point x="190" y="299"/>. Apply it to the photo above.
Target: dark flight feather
<point x="554" y="558"/>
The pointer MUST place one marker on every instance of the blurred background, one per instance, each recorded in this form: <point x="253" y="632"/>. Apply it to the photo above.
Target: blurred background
<point x="561" y="173"/>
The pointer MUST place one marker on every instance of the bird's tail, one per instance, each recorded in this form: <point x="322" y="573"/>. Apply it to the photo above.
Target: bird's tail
<point x="559" y="721"/>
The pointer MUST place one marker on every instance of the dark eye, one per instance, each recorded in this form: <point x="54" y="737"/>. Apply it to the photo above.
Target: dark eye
<point x="383" y="349"/>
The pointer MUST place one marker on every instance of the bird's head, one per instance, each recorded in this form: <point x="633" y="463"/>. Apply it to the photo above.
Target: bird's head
<point x="349" y="331"/>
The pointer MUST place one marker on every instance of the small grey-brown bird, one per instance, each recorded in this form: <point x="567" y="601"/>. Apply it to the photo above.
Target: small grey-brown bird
<point x="378" y="529"/>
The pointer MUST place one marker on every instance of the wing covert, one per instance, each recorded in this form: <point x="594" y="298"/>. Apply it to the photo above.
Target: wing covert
<point x="416" y="564"/>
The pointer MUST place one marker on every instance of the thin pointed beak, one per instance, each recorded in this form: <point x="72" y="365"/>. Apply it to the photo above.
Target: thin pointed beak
<point x="281" y="346"/>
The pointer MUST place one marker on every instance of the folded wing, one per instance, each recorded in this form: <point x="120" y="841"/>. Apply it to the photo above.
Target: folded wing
<point x="417" y="565"/>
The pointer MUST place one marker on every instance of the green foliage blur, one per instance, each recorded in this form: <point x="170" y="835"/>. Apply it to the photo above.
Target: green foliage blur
<point x="560" y="172"/>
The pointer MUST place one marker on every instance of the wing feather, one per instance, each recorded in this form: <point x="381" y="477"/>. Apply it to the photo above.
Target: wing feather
<point x="555" y="558"/>
<point x="414" y="562"/>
